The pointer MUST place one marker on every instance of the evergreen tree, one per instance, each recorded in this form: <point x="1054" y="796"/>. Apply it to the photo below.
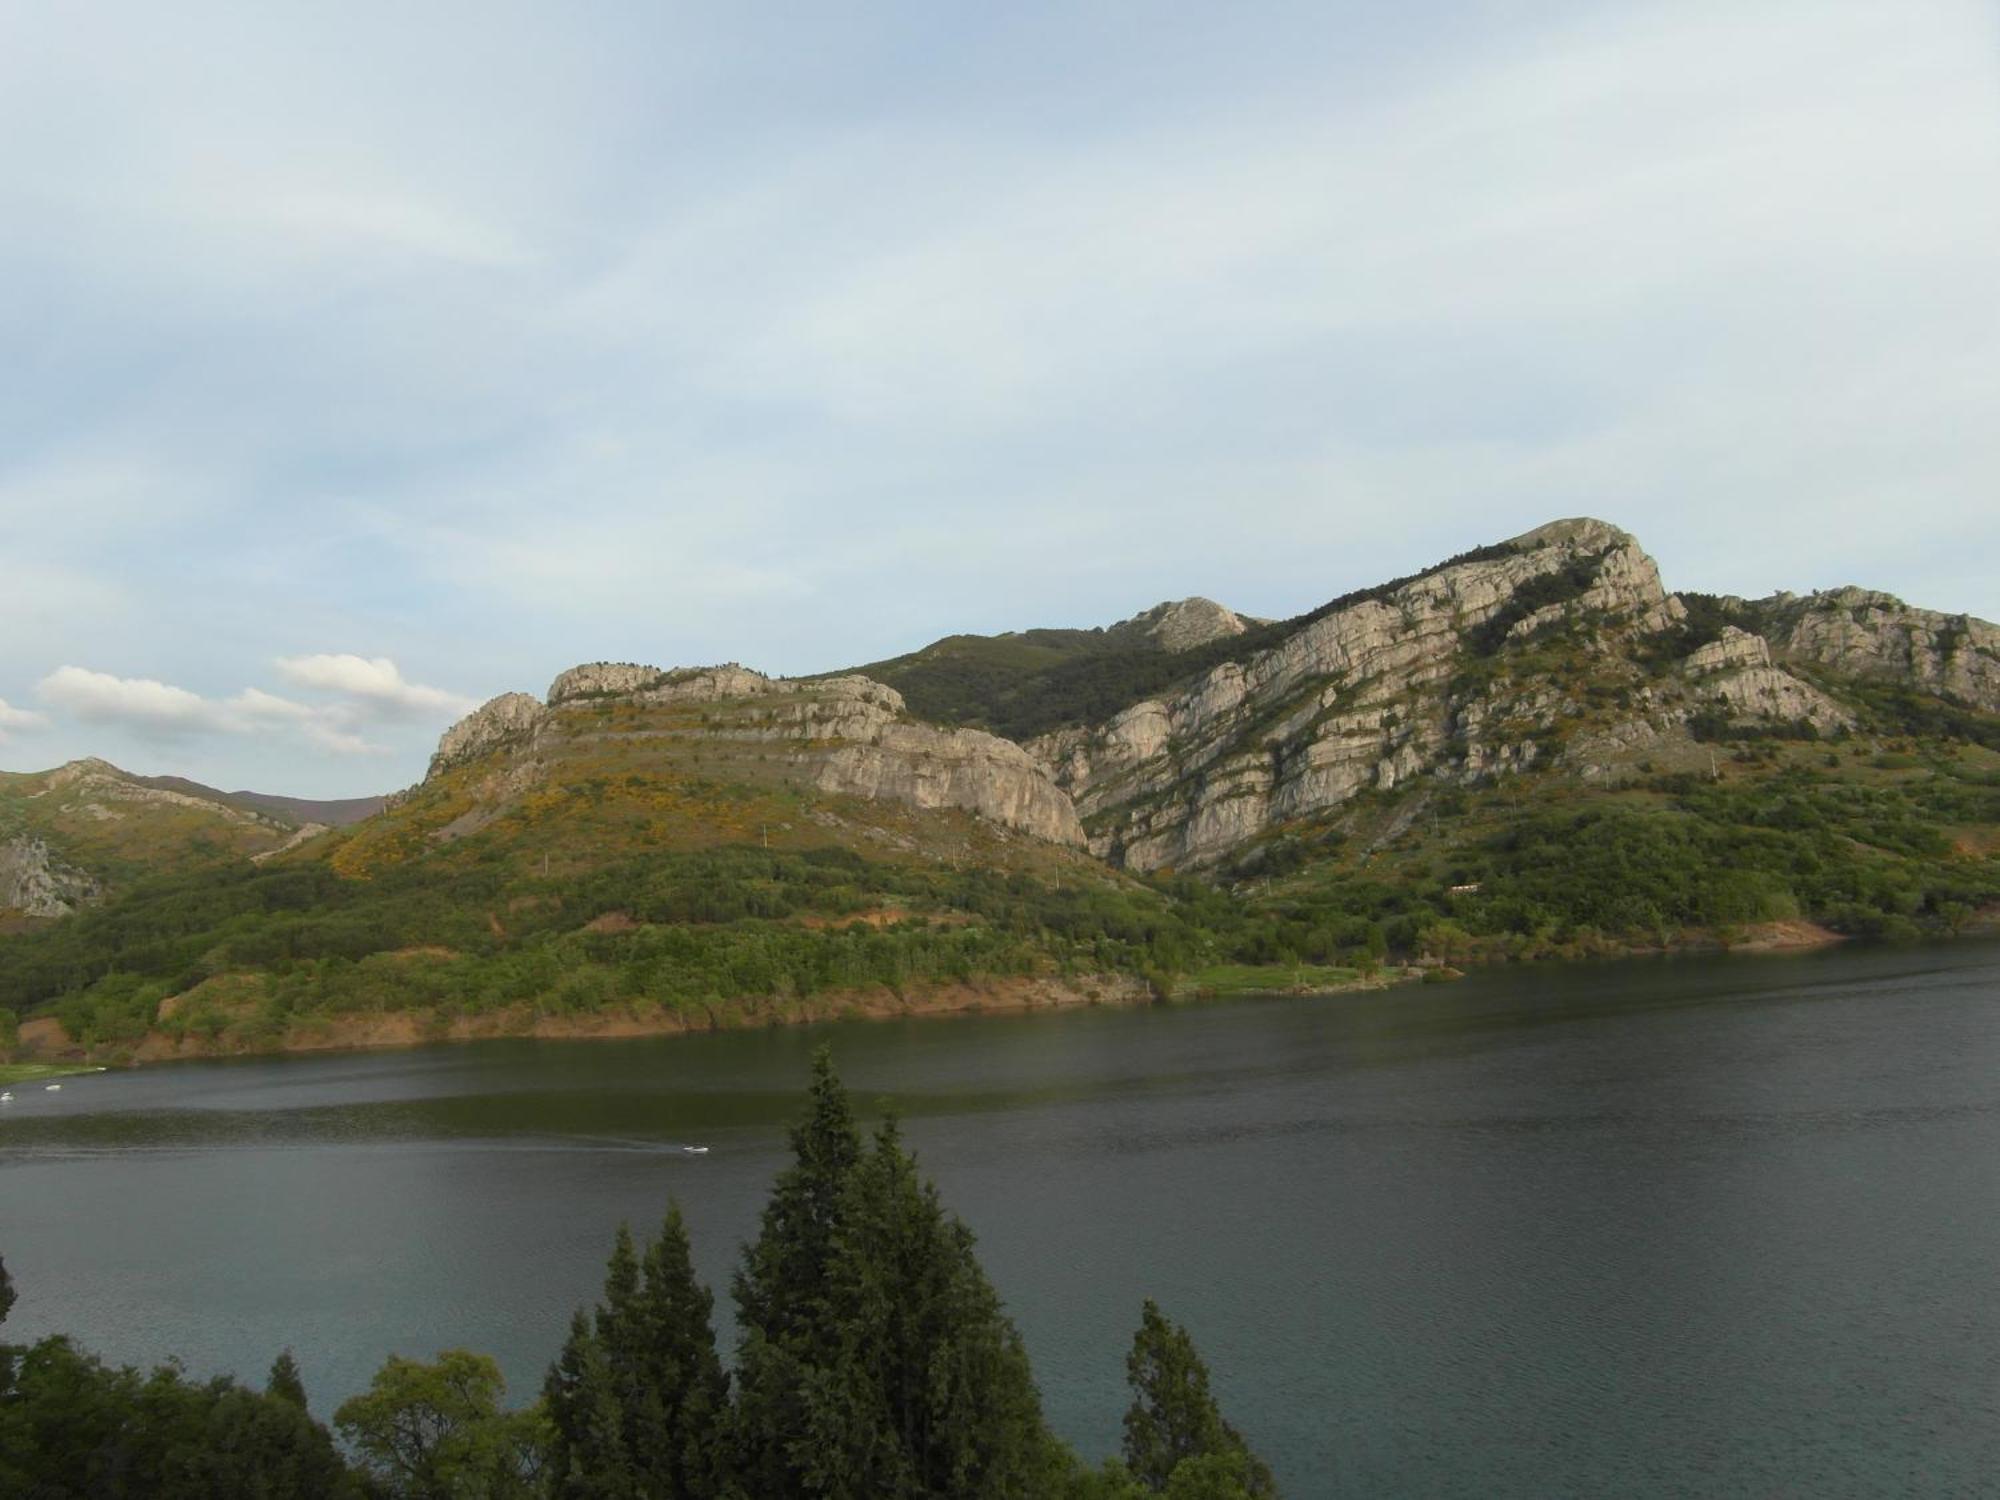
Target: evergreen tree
<point x="638" y="1398"/>
<point x="930" y="1393"/>
<point x="284" y="1383"/>
<point x="1174" y="1418"/>
<point x="587" y="1458"/>
<point x="875" y="1358"/>
<point x="788" y="1331"/>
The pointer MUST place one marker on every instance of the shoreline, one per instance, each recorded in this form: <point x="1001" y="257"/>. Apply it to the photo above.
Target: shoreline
<point x="43" y="1042"/>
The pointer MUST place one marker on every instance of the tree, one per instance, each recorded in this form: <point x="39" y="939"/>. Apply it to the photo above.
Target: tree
<point x="587" y="1458"/>
<point x="929" y="1392"/>
<point x="875" y="1358"/>
<point x="638" y="1400"/>
<point x="71" y="1426"/>
<point x="284" y="1382"/>
<point x="1174" y="1418"/>
<point x="6" y="1291"/>
<point x="437" y="1431"/>
<point x="788" y="1332"/>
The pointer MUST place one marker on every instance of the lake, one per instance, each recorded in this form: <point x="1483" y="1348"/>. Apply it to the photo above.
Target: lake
<point x="1676" y="1227"/>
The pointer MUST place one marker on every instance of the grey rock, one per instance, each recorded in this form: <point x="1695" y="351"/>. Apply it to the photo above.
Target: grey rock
<point x="37" y="884"/>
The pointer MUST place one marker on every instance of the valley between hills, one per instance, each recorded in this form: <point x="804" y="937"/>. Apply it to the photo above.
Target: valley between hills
<point x="1532" y="750"/>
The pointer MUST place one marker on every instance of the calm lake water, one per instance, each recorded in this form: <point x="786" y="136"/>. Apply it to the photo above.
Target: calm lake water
<point x="1689" y="1227"/>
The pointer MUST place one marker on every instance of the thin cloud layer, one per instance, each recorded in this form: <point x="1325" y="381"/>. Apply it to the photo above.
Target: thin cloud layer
<point x="12" y="718"/>
<point x="691" y="335"/>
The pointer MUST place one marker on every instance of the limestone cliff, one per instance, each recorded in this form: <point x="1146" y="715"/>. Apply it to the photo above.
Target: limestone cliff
<point x="840" y="735"/>
<point x="1412" y="680"/>
<point x="1735" y="672"/>
<point x="1862" y="633"/>
<point x="510" y="716"/>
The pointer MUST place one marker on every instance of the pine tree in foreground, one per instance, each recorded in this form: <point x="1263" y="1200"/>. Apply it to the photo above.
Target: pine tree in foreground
<point x="638" y="1399"/>
<point x="788" y="1330"/>
<point x="876" y="1361"/>
<point x="1176" y="1441"/>
<point x="930" y="1393"/>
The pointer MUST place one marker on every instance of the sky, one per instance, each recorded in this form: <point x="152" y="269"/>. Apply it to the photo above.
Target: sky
<point x="360" y="362"/>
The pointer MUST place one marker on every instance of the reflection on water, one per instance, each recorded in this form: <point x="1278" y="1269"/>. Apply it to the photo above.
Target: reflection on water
<point x="1715" y="1226"/>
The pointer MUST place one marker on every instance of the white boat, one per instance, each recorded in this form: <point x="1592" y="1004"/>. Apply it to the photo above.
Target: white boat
<point x="6" y="1098"/>
<point x="54" y="1088"/>
<point x="695" y="1150"/>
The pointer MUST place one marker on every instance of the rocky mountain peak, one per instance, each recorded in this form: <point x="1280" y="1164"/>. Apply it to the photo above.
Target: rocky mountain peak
<point x="1181" y="624"/>
<point x="491" y="724"/>
<point x="1574" y="531"/>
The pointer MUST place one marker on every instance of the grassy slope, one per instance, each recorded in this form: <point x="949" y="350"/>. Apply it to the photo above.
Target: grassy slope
<point x="121" y="841"/>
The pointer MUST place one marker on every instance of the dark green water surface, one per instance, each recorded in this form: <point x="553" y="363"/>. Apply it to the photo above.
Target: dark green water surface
<point x="1692" y="1227"/>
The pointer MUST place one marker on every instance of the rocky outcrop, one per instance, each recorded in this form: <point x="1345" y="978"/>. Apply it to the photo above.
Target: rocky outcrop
<point x="1182" y="624"/>
<point x="846" y="735"/>
<point x="1360" y="697"/>
<point x="35" y="883"/>
<point x="1733" y="650"/>
<point x="599" y="679"/>
<point x="1735" y="672"/>
<point x="923" y="767"/>
<point x="1863" y="633"/>
<point x="507" y="718"/>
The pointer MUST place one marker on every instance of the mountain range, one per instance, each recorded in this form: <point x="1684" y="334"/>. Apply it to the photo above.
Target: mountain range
<point x="1531" y="747"/>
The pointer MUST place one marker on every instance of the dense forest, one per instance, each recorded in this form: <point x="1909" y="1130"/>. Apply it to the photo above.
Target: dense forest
<point x="874" y="1362"/>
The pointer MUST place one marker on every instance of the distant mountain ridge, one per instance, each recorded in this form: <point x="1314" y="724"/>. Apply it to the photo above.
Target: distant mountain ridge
<point x="331" y="813"/>
<point x="69" y="835"/>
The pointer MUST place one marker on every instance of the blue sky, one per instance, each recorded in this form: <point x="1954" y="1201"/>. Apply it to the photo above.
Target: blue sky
<point x="362" y="362"/>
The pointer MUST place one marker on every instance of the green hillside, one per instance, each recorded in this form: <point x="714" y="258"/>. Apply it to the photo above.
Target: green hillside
<point x="709" y="847"/>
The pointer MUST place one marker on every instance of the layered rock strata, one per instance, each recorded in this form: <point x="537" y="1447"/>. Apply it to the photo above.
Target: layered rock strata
<point x="1359" y="698"/>
<point x="1863" y="633"/>
<point x="843" y="735"/>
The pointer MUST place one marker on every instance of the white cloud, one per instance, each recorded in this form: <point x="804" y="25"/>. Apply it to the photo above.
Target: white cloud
<point x="138" y="703"/>
<point x="155" y="710"/>
<point x="374" y="683"/>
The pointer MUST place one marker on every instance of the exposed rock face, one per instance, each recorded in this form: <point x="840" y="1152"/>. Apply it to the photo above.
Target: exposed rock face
<point x="1869" y="634"/>
<point x="601" y="678"/>
<point x="846" y="735"/>
<point x="1181" y="624"/>
<point x="1735" y="671"/>
<point x="1358" y="698"/>
<point x="923" y="767"/>
<point x="498" y="720"/>
<point x="37" y="884"/>
<point x="1733" y="650"/>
